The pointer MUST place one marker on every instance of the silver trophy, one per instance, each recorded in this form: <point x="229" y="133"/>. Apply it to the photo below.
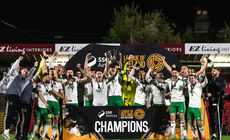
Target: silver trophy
<point x="114" y="56"/>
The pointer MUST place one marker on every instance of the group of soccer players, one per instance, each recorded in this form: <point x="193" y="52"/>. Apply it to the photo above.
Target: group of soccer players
<point x="116" y="85"/>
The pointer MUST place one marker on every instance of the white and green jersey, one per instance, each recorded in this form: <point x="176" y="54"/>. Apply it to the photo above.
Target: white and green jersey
<point x="157" y="94"/>
<point x="99" y="93"/>
<point x="56" y="86"/>
<point x="88" y="91"/>
<point x="114" y="87"/>
<point x="45" y="93"/>
<point x="195" y="93"/>
<point x="176" y="89"/>
<point x="71" y="92"/>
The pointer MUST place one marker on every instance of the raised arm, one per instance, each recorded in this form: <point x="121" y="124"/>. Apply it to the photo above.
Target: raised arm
<point x="205" y="81"/>
<point x="106" y="64"/>
<point x="127" y="62"/>
<point x="148" y="77"/>
<point x="166" y="65"/>
<point x="52" y="59"/>
<point x="132" y="77"/>
<point x="32" y="70"/>
<point x="119" y="62"/>
<point x="15" y="65"/>
<point x="86" y="61"/>
<point x="83" y="71"/>
<point x="202" y="68"/>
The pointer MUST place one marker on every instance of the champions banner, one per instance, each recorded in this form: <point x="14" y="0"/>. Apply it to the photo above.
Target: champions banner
<point x="146" y="55"/>
<point x="126" y="122"/>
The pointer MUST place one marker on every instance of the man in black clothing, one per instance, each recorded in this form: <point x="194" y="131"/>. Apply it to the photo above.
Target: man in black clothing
<point x="215" y="92"/>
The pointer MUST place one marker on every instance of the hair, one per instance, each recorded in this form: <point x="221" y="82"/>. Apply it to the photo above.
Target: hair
<point x="68" y="69"/>
<point x="185" y="65"/>
<point x="175" y="69"/>
<point x="92" y="69"/>
<point x="100" y="70"/>
<point x="24" y="69"/>
<point x="45" y="74"/>
<point x="113" y="64"/>
<point x="217" y="68"/>
<point x="193" y="74"/>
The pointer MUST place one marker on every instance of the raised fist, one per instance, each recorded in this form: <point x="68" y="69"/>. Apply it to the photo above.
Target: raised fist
<point x="55" y="53"/>
<point x="20" y="58"/>
<point x="130" y="57"/>
<point x="4" y="73"/>
<point x="106" y="54"/>
<point x="78" y="65"/>
<point x="36" y="63"/>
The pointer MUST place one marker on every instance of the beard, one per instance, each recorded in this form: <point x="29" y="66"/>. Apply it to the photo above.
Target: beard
<point x="47" y="81"/>
<point x="174" y="76"/>
<point x="213" y="75"/>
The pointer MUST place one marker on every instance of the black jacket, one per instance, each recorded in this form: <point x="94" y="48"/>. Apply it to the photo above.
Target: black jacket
<point x="217" y="87"/>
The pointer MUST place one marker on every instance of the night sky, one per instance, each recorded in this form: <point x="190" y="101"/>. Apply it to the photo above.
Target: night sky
<point x="94" y="16"/>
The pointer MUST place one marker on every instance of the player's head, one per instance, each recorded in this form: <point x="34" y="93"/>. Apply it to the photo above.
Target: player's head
<point x="192" y="78"/>
<point x="78" y="73"/>
<point x="175" y="73"/>
<point x="216" y="71"/>
<point x="51" y="73"/>
<point x="112" y="68"/>
<point x="184" y="69"/>
<point x="143" y="74"/>
<point x="45" y="77"/>
<point x="141" y="69"/>
<point x="190" y="70"/>
<point x="99" y="74"/>
<point x="24" y="72"/>
<point x="69" y="73"/>
<point x="92" y="72"/>
<point x="62" y="69"/>
<point x="160" y="75"/>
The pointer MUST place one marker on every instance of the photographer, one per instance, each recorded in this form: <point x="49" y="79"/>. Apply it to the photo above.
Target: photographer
<point x="215" y="93"/>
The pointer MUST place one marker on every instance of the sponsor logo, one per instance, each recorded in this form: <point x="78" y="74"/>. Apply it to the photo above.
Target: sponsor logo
<point x="92" y="61"/>
<point x="207" y="48"/>
<point x="126" y="114"/>
<point x="174" y="49"/>
<point x="23" y="50"/>
<point x="154" y="60"/>
<point x="69" y="48"/>
<point x="101" y="114"/>
<point x="107" y="114"/>
<point x="139" y="114"/>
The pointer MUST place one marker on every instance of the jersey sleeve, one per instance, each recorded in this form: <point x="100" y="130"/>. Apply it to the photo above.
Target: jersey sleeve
<point x="63" y="81"/>
<point x="60" y="86"/>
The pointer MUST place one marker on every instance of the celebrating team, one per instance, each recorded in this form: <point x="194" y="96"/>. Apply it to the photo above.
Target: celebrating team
<point x="116" y="85"/>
